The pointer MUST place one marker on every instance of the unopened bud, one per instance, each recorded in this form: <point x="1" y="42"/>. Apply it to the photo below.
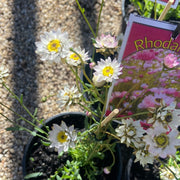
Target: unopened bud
<point x="92" y="64"/>
<point x="97" y="83"/>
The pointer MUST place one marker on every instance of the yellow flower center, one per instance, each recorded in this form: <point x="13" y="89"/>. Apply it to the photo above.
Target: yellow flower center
<point x="53" y="45"/>
<point x="74" y="57"/>
<point x="62" y="137"/>
<point x="70" y="95"/>
<point x="66" y="94"/>
<point x="108" y="71"/>
<point x="162" y="140"/>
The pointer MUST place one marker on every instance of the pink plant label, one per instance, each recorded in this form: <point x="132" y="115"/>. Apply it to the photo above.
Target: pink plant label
<point x="150" y="58"/>
<point x="164" y="2"/>
<point x="143" y="33"/>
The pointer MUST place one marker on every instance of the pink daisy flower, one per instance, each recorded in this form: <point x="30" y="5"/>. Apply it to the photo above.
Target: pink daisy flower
<point x="170" y="61"/>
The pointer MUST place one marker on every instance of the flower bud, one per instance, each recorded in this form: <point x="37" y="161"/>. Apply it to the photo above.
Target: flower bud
<point x="92" y="64"/>
<point x="106" y="170"/>
<point x="88" y="114"/>
<point x="97" y="83"/>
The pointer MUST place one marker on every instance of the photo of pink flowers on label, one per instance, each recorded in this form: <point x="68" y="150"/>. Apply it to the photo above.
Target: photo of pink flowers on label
<point x="147" y="76"/>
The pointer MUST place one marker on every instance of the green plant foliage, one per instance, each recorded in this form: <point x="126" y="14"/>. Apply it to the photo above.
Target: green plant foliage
<point x="33" y="175"/>
<point x="69" y="171"/>
<point x="150" y="9"/>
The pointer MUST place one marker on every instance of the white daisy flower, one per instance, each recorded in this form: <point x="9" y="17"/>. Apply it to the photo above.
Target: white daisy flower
<point x="3" y="73"/>
<point x="62" y="137"/>
<point x="107" y="70"/>
<point x="74" y="60"/>
<point x="159" y="142"/>
<point x="131" y="132"/>
<point x="53" y="46"/>
<point x="168" y="115"/>
<point x="68" y="96"/>
<point x="143" y="157"/>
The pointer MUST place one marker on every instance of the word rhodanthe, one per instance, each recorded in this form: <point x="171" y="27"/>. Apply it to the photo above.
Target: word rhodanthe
<point x="141" y="44"/>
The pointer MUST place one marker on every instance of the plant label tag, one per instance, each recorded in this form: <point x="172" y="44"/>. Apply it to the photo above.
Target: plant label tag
<point x="164" y="2"/>
<point x="145" y="33"/>
<point x="150" y="58"/>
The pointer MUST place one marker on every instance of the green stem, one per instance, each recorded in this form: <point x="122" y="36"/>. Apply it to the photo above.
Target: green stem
<point x="24" y="119"/>
<point x="105" y="102"/>
<point x="91" y="153"/>
<point x="137" y="114"/>
<point x="85" y="18"/>
<point x="99" y="17"/>
<point x="88" y="109"/>
<point x="114" y="136"/>
<point x="112" y="155"/>
<point x="42" y="137"/>
<point x="93" y="87"/>
<point x="20" y="101"/>
<point x="84" y="73"/>
<point x="23" y="128"/>
<point x="84" y="86"/>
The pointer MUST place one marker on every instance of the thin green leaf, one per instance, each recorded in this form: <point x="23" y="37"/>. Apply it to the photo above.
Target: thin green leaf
<point x="45" y="143"/>
<point x="140" y="5"/>
<point x="39" y="130"/>
<point x="33" y="175"/>
<point x="41" y="121"/>
<point x="58" y="177"/>
<point x="18" y="119"/>
<point x="35" y="112"/>
<point x="88" y="85"/>
<point x="21" y="99"/>
<point x="14" y="128"/>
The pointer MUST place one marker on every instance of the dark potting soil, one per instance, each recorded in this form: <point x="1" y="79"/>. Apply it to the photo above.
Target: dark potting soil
<point x="45" y="160"/>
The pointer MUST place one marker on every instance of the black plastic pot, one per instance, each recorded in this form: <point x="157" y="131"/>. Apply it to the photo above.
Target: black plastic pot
<point x="136" y="171"/>
<point x="70" y="118"/>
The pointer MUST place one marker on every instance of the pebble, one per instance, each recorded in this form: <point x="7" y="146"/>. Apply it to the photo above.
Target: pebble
<point x="20" y="26"/>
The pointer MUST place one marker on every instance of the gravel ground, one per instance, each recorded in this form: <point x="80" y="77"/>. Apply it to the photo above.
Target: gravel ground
<point x="21" y="23"/>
